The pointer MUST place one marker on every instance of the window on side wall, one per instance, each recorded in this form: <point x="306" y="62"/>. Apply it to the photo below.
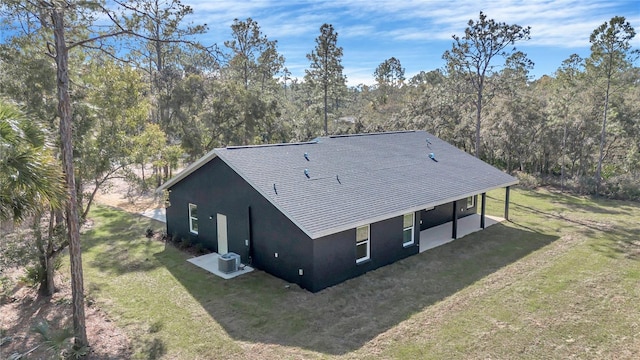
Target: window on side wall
<point x="362" y="244"/>
<point x="407" y="229"/>
<point x="470" y="202"/>
<point x="193" y="218"/>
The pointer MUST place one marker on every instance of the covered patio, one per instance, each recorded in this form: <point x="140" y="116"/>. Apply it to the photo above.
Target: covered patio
<point x="441" y="234"/>
<point x="459" y="227"/>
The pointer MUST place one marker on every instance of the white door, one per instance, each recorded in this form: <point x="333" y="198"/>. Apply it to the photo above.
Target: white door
<point x="222" y="234"/>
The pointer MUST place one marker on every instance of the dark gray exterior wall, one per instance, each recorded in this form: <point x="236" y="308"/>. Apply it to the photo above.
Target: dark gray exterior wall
<point x="442" y="214"/>
<point x="335" y="255"/>
<point x="326" y="261"/>
<point x="216" y="188"/>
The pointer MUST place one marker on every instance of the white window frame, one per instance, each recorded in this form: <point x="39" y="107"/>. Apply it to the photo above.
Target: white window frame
<point x="473" y="202"/>
<point x="412" y="228"/>
<point x="191" y="218"/>
<point x="367" y="242"/>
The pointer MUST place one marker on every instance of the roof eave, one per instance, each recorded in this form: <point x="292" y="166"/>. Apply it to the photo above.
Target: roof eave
<point x="382" y="217"/>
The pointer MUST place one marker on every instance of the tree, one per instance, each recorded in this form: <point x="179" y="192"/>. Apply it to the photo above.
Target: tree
<point x="389" y="76"/>
<point x="516" y="124"/>
<point x="473" y="53"/>
<point x="110" y="110"/>
<point x="438" y="104"/>
<point x="610" y="51"/>
<point x="254" y="58"/>
<point x="30" y="182"/>
<point x="325" y="69"/>
<point x="65" y="26"/>
<point x="389" y="73"/>
<point x="29" y="175"/>
<point x="254" y="64"/>
<point x="163" y="39"/>
<point x="568" y="77"/>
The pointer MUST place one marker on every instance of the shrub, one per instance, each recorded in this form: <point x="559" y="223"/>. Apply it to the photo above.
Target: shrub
<point x="622" y="187"/>
<point x="185" y="243"/>
<point x="5" y="290"/>
<point x="527" y="181"/>
<point x="34" y="275"/>
<point x="199" y="248"/>
<point x="58" y="341"/>
<point x="175" y="239"/>
<point x="149" y="233"/>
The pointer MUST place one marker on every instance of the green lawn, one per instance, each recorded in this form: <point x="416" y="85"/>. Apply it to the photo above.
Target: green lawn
<point x="561" y="280"/>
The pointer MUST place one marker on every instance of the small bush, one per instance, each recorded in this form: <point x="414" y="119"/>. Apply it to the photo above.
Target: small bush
<point x="622" y="187"/>
<point x="5" y="290"/>
<point x="185" y="243"/>
<point x="199" y="248"/>
<point x="55" y="340"/>
<point x="149" y="233"/>
<point x="34" y="275"/>
<point x="175" y="239"/>
<point x="527" y="181"/>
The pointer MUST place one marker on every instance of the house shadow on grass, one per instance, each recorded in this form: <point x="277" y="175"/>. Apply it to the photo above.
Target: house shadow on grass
<point x="260" y="308"/>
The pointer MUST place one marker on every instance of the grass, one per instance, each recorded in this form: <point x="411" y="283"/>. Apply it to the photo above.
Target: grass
<point x="562" y="279"/>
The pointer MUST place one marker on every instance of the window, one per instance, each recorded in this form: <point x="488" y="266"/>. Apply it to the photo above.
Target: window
<point x="470" y="202"/>
<point x="407" y="229"/>
<point x="362" y="243"/>
<point x="193" y="218"/>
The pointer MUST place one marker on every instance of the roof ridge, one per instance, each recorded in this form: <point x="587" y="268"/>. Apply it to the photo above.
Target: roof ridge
<point x="371" y="134"/>
<point x="315" y="141"/>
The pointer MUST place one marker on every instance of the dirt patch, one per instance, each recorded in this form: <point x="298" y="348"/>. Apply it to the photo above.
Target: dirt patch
<point x="124" y="196"/>
<point x="25" y="308"/>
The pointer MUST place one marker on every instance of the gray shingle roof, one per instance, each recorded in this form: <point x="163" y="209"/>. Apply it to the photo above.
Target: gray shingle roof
<point x="358" y="179"/>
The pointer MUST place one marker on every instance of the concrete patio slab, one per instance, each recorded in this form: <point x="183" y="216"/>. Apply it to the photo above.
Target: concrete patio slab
<point x="209" y="262"/>
<point x="441" y="234"/>
<point x="156" y="214"/>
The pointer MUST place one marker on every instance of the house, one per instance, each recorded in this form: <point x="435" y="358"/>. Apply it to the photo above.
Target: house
<point x="320" y="212"/>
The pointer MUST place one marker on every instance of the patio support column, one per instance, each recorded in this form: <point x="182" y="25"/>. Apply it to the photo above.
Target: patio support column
<point x="454" y="230"/>
<point x="482" y="211"/>
<point x="506" y="203"/>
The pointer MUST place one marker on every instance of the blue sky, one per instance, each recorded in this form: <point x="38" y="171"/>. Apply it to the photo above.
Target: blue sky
<point x="414" y="31"/>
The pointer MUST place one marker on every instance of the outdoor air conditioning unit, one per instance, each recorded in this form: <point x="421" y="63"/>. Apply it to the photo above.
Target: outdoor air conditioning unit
<point x="229" y="262"/>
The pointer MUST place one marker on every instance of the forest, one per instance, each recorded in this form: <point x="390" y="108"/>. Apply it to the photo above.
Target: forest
<point x="159" y="97"/>
<point x="93" y="91"/>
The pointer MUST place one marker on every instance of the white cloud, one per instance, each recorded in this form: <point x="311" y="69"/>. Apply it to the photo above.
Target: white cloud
<point x="415" y="31"/>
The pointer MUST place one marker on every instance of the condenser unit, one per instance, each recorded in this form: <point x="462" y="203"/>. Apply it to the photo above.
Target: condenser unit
<point x="229" y="262"/>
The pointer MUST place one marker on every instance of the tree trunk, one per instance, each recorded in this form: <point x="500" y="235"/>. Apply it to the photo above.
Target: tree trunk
<point x="478" y="112"/>
<point x="603" y="133"/>
<point x="50" y="257"/>
<point x="326" y="127"/>
<point x="66" y="141"/>
<point x="49" y="285"/>
<point x="564" y="147"/>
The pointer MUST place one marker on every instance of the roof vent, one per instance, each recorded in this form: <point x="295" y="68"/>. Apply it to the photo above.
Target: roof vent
<point x="306" y="156"/>
<point x="306" y="173"/>
<point x="428" y="143"/>
<point x="432" y="156"/>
